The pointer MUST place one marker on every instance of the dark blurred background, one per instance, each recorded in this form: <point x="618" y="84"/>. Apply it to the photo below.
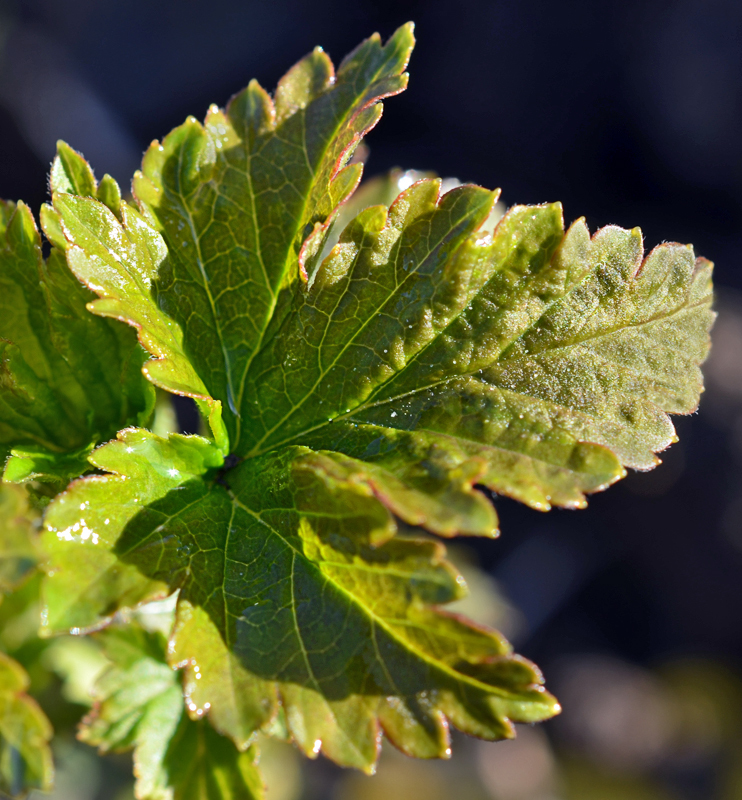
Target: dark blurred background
<point x="628" y="112"/>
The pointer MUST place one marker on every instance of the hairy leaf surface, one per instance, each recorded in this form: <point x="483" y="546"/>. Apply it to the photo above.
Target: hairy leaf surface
<point x="388" y="374"/>
<point x="534" y="362"/>
<point x="139" y="705"/>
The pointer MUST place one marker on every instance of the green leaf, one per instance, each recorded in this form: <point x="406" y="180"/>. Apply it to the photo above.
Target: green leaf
<point x="294" y="588"/>
<point x="25" y="757"/>
<point x="139" y="704"/>
<point x="534" y="362"/>
<point x="223" y="188"/>
<point x="71" y="174"/>
<point x="18" y="555"/>
<point x="260" y="183"/>
<point x="67" y="379"/>
<point x="86" y="582"/>
<point x="245" y="201"/>
<point x="119" y="260"/>
<point x="384" y="376"/>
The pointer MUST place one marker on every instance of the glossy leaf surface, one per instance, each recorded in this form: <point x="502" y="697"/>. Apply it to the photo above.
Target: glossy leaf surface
<point x="294" y="588"/>
<point x="86" y="582"/>
<point x="67" y="379"/>
<point x="120" y="259"/>
<point x="387" y="375"/>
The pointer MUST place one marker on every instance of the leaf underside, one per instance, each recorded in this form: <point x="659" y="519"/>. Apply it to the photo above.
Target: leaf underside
<point x="348" y="383"/>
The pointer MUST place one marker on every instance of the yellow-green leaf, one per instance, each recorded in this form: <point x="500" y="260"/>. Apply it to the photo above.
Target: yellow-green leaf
<point x="25" y="757"/>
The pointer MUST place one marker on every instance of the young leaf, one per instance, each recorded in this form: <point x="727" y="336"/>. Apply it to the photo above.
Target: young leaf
<point x="18" y="555"/>
<point x="25" y="757"/>
<point x="67" y="380"/>
<point x="245" y="201"/>
<point x="293" y="587"/>
<point x="85" y="582"/>
<point x="119" y="258"/>
<point x="536" y="362"/>
<point x="422" y="356"/>
<point x="139" y="704"/>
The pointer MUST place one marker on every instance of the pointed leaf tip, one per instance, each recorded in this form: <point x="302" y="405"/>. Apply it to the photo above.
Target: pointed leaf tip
<point x="284" y="167"/>
<point x="71" y="173"/>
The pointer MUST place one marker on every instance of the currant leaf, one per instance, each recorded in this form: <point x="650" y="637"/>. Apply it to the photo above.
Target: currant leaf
<point x="67" y="380"/>
<point x="139" y="705"/>
<point x="393" y="372"/>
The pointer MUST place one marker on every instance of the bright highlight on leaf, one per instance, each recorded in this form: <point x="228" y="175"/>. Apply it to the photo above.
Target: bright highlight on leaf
<point x="67" y="380"/>
<point x="403" y="369"/>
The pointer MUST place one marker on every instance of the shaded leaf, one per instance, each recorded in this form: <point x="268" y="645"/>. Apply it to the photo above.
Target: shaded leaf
<point x="25" y="757"/>
<point x="139" y="705"/>
<point x="85" y="581"/>
<point x="294" y="588"/>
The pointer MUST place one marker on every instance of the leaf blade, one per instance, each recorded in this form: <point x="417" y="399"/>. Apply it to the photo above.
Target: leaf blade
<point x="223" y="189"/>
<point x="140" y="705"/>
<point x="120" y="260"/>
<point x="68" y="380"/>
<point x="499" y="390"/>
<point x="85" y="583"/>
<point x="293" y="586"/>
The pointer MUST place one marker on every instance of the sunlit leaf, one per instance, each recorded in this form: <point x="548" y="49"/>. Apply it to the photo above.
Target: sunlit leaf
<point x="67" y="379"/>
<point x="85" y="581"/>
<point x="244" y="202"/>
<point x="352" y="381"/>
